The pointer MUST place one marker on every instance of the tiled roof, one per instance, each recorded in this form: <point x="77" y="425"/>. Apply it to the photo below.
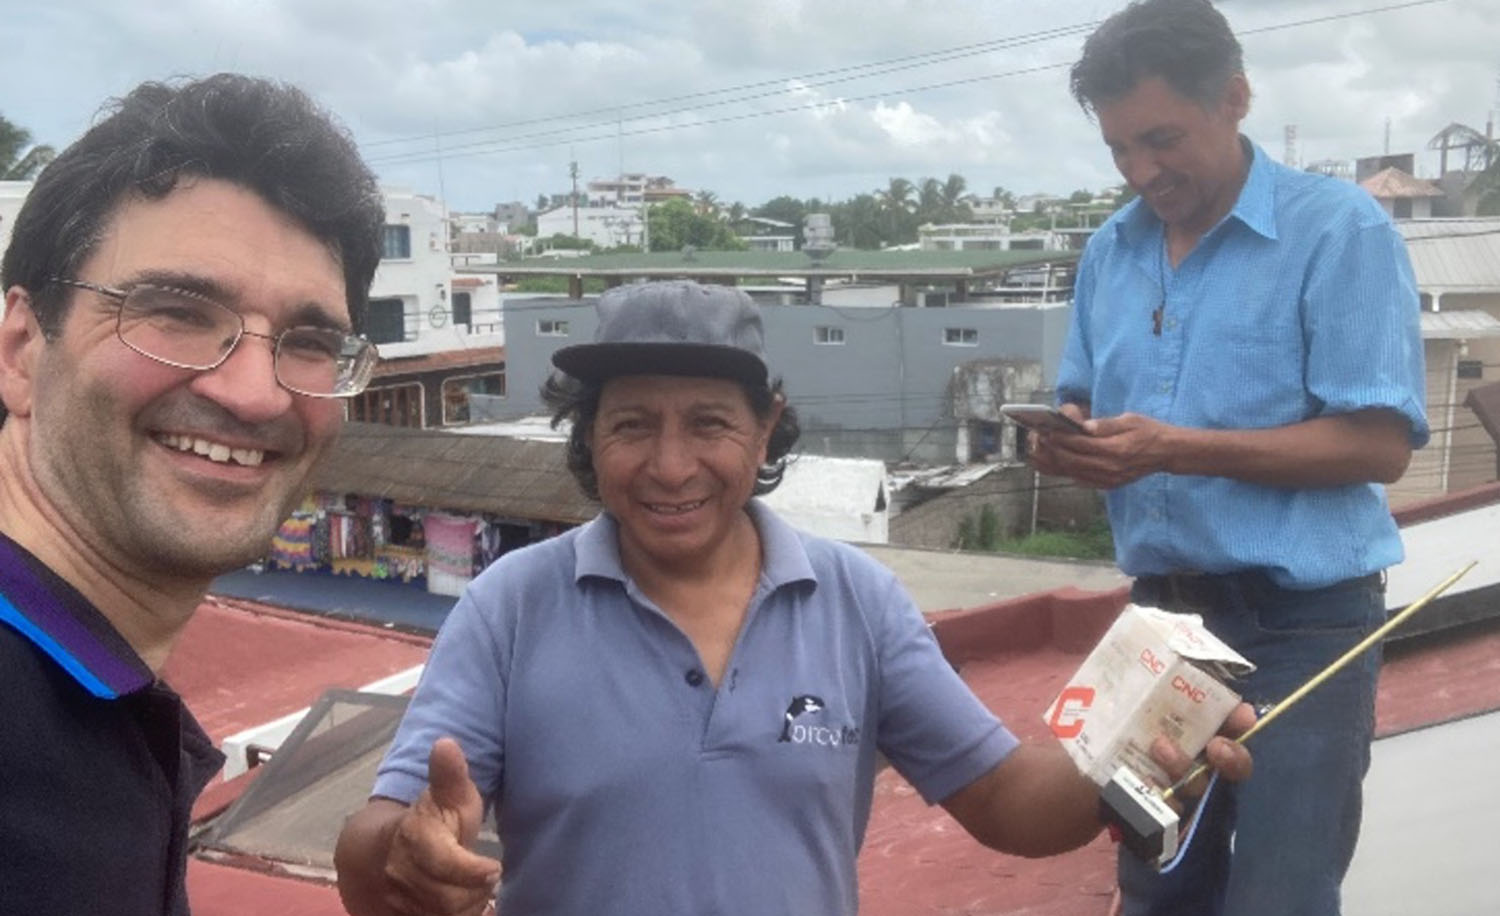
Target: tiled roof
<point x="1390" y="183"/>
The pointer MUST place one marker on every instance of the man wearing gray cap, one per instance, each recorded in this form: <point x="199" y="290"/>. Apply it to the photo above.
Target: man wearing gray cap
<point x="679" y="707"/>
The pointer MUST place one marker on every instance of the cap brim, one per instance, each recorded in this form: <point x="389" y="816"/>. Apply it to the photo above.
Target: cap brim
<point x="597" y="362"/>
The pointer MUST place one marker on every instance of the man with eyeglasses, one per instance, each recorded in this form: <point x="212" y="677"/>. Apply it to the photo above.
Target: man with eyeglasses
<point x="183" y="292"/>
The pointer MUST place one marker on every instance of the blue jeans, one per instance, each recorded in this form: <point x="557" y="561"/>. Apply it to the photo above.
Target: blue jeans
<point x="1279" y="843"/>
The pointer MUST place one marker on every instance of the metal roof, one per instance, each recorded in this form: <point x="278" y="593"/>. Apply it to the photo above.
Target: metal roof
<point x="1461" y="324"/>
<point x="852" y="263"/>
<point x="1461" y="255"/>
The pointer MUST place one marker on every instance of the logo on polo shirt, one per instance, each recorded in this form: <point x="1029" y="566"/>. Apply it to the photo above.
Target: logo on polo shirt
<point x="800" y="726"/>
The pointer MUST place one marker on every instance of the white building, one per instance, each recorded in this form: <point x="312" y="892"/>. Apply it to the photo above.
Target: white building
<point x="12" y="195"/>
<point x="606" y="227"/>
<point x="416" y="307"/>
<point x="984" y="237"/>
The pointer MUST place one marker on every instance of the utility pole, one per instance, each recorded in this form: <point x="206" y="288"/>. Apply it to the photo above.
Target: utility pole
<point x="573" y="174"/>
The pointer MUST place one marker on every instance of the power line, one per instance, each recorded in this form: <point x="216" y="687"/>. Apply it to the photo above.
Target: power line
<point x="877" y="68"/>
<point x="891" y="65"/>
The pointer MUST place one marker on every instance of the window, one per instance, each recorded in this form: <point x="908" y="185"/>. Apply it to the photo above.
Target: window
<point x="1470" y="368"/>
<point x="395" y="405"/>
<point x="462" y="309"/>
<point x="385" y="321"/>
<point x="961" y="337"/>
<point x="828" y="335"/>
<point x="551" y="327"/>
<point x="397" y="240"/>
<point x="472" y="398"/>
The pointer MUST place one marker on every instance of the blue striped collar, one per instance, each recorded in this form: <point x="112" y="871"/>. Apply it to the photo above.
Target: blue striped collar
<point x="53" y="615"/>
<point x="1255" y="207"/>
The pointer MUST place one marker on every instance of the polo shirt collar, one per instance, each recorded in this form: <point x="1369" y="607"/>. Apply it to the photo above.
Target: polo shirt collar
<point x="66" y="627"/>
<point x="783" y="556"/>
<point x="1255" y="207"/>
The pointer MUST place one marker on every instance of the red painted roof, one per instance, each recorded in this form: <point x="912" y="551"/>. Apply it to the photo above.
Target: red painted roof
<point x="240" y="664"/>
<point x="234" y="890"/>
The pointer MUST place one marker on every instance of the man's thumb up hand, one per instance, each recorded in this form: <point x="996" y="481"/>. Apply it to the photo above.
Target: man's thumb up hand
<point x="430" y="862"/>
<point x="450" y="794"/>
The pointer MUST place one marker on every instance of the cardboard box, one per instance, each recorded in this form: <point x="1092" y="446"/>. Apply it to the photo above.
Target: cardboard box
<point x="1154" y="673"/>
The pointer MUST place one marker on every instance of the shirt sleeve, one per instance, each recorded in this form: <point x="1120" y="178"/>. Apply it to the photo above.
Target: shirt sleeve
<point x="461" y="695"/>
<point x="1075" y="372"/>
<point x="933" y="729"/>
<point x="1363" y="320"/>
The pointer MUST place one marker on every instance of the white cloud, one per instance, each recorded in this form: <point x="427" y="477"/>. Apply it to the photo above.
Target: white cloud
<point x="511" y="92"/>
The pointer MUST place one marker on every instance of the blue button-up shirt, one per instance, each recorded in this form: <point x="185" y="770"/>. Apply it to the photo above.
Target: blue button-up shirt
<point x="1300" y="303"/>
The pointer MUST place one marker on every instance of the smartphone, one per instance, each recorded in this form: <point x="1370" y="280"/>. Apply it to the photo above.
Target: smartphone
<point x="1042" y="418"/>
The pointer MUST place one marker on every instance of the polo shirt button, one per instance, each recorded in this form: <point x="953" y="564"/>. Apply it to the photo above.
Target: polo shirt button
<point x="1166" y="387"/>
<point x="694" y="677"/>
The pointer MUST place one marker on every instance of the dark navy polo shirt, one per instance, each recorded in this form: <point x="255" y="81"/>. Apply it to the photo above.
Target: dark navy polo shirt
<point x="99" y="762"/>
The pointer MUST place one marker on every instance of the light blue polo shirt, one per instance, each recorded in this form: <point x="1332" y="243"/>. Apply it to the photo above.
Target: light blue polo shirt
<point x="625" y="783"/>
<point x="1300" y="303"/>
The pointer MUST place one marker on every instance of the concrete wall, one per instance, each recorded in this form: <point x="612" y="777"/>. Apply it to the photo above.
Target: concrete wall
<point x="885" y="392"/>
<point x="1058" y="504"/>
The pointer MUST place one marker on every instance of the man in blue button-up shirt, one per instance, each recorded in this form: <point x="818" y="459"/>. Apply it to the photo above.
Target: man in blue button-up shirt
<point x="1245" y="352"/>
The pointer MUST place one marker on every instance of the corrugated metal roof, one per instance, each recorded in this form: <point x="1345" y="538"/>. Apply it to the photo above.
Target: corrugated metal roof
<point x="1464" y="324"/>
<point x="1454" y="255"/>
<point x="426" y="467"/>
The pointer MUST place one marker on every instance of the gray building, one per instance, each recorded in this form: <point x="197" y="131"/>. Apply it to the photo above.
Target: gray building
<point x="870" y="376"/>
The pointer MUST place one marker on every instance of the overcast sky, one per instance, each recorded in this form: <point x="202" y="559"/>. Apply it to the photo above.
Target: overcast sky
<point x="482" y="101"/>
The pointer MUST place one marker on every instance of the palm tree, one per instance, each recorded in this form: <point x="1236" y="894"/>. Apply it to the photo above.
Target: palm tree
<point x="952" y="196"/>
<point x="896" y="206"/>
<point x="708" y="203"/>
<point x="930" y="201"/>
<point x="19" y="160"/>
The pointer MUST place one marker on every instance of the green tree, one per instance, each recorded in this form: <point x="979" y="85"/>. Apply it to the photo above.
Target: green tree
<point x="19" y="160"/>
<point x="898" y="222"/>
<point x="675" y="224"/>
<point x="857" y="222"/>
<point x="954" y="209"/>
<point x="787" y="210"/>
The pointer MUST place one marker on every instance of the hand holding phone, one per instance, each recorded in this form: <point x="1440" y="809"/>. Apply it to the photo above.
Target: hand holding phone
<point x="1042" y="418"/>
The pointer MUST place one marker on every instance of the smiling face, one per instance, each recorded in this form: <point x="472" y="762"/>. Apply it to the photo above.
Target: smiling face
<point x="1183" y="158"/>
<point x="676" y="459"/>
<point x="163" y="471"/>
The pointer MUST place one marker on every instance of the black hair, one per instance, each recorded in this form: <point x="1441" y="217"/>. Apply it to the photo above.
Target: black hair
<point x="577" y="402"/>
<point x="265" y="136"/>
<point x="1187" y="43"/>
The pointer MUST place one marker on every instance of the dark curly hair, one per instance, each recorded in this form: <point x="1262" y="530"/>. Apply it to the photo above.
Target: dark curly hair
<point x="577" y="402"/>
<point x="265" y="136"/>
<point x="1187" y="43"/>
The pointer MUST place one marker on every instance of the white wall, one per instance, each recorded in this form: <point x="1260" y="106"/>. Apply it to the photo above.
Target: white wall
<point x="12" y="195"/>
<point x="835" y="498"/>
<point x="604" y="226"/>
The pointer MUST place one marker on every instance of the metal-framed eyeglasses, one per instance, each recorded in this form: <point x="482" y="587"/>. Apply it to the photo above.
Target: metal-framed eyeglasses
<point x="189" y="331"/>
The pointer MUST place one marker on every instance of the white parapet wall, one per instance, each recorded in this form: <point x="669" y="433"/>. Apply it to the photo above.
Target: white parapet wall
<point x="269" y="735"/>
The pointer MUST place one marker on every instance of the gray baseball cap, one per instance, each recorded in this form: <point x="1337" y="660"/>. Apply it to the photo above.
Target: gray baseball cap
<point x="672" y="327"/>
